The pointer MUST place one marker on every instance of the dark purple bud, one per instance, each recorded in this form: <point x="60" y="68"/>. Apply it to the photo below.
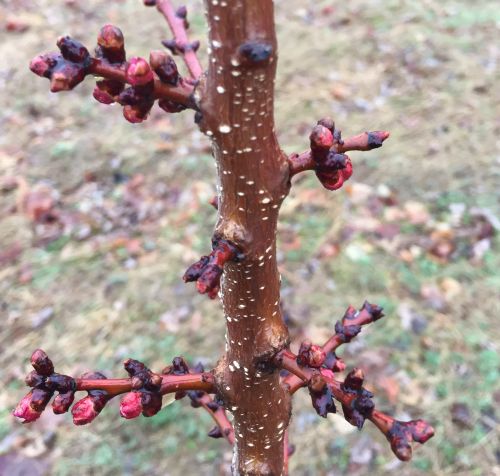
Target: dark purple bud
<point x="34" y="379"/>
<point x="40" y="397"/>
<point x="215" y="433"/>
<point x="151" y="403"/>
<point x="165" y="67"/>
<point x="41" y="363"/>
<point x="256" y="52"/>
<point x="354" y="380"/>
<point x="179" y="367"/>
<point x="61" y="383"/>
<point x="73" y="50"/>
<point x="63" y="402"/>
<point x="181" y="12"/>
<point x="195" y="270"/>
<point x="375" y="311"/>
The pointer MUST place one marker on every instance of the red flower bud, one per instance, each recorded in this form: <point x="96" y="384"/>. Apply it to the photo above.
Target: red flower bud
<point x="321" y="140"/>
<point x="311" y="355"/>
<point x="24" y="411"/>
<point x="139" y="72"/>
<point x="84" y="411"/>
<point x="131" y="405"/>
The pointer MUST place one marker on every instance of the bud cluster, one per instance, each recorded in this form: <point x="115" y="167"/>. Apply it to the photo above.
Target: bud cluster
<point x="69" y="68"/>
<point x="146" y="396"/>
<point x="402" y="434"/>
<point x="361" y="406"/>
<point x="44" y="383"/>
<point x="321" y="393"/>
<point x="332" y="167"/>
<point x="207" y="271"/>
<point x="65" y="70"/>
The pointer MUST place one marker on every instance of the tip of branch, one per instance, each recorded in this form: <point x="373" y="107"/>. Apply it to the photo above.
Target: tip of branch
<point x="376" y="139"/>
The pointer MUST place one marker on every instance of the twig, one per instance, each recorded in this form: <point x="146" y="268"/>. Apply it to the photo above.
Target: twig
<point x="177" y="22"/>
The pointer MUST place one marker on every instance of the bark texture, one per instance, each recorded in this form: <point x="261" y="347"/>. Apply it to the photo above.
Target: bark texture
<point x="253" y="179"/>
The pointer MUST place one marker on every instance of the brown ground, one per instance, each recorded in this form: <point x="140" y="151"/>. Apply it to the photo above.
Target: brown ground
<point x="416" y="230"/>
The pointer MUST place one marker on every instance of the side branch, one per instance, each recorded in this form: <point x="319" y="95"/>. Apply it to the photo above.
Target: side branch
<point x="157" y="79"/>
<point x="143" y="390"/>
<point x="180" y="44"/>
<point x="180" y="93"/>
<point x="324" y="356"/>
<point x="169" y="384"/>
<point x="327" y="154"/>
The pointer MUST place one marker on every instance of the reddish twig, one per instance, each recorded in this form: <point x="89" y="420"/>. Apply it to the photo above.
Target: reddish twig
<point x="143" y="389"/>
<point x="180" y="44"/>
<point x="223" y="427"/>
<point x="156" y="80"/>
<point x="182" y="93"/>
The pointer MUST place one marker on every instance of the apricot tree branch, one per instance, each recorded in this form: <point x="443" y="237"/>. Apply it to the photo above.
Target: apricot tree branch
<point x="144" y="389"/>
<point x="156" y="80"/>
<point x="180" y="44"/>
<point x="357" y="404"/>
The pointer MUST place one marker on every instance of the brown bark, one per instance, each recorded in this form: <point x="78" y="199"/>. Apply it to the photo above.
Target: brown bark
<point x="253" y="179"/>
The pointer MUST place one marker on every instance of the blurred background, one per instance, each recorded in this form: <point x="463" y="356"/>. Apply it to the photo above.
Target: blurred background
<point x="99" y="219"/>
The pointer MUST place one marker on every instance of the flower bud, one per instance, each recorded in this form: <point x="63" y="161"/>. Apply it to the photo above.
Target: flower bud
<point x="41" y="363"/>
<point x="139" y="72"/>
<point x="111" y="44"/>
<point x="151" y="403"/>
<point x="165" y="67"/>
<point x="84" y="411"/>
<point x="63" y="402"/>
<point x="24" y="411"/>
<point x="131" y="405"/>
<point x="321" y="140"/>
<point x="73" y="50"/>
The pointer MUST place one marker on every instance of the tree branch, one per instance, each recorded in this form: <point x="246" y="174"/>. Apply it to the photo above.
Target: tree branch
<point x="156" y="80"/>
<point x="357" y="405"/>
<point x="182" y="93"/>
<point x="223" y="428"/>
<point x="177" y="21"/>
<point x="144" y="389"/>
<point x="327" y="154"/>
<point x="345" y="331"/>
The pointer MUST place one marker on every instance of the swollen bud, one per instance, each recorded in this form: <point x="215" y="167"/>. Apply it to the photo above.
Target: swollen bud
<point x="24" y="411"/>
<point x="41" y="363"/>
<point x="85" y="411"/>
<point x="63" y="402"/>
<point x="131" y="405"/>
<point x="73" y="50"/>
<point x="111" y="44"/>
<point x="165" y="67"/>
<point x="139" y="72"/>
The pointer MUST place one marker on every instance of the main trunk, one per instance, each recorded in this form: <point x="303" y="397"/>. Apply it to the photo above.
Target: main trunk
<point x="237" y="113"/>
